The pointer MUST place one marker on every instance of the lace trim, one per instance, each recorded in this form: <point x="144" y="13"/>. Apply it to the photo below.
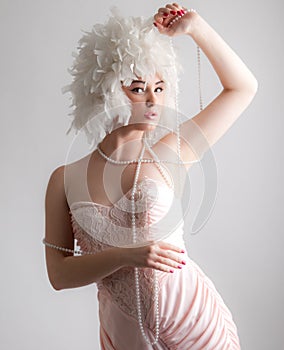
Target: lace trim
<point x="112" y="225"/>
<point x="97" y="228"/>
<point x="121" y="284"/>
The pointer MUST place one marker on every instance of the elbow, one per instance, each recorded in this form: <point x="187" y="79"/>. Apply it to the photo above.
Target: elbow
<point x="55" y="279"/>
<point x="253" y="87"/>
<point x="247" y="88"/>
<point x="252" y="90"/>
<point x="57" y="274"/>
<point x="56" y="285"/>
<point x="248" y="91"/>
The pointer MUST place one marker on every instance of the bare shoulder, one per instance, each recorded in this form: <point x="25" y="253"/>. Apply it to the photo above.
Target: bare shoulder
<point x="55" y="198"/>
<point x="55" y="187"/>
<point x="58" y="228"/>
<point x="57" y="176"/>
<point x="61" y="174"/>
<point x="169" y="142"/>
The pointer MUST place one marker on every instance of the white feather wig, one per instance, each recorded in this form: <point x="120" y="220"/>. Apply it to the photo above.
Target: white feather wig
<point x="113" y="54"/>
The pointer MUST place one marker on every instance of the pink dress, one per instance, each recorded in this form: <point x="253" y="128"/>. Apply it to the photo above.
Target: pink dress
<point x="192" y="313"/>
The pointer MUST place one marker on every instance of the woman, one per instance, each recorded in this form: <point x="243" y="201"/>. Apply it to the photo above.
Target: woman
<point x="151" y="294"/>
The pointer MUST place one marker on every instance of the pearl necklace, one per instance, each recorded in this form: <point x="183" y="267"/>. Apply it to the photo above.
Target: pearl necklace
<point x="179" y="16"/>
<point x="144" y="160"/>
<point x="139" y="161"/>
<point x="122" y="162"/>
<point x="136" y="271"/>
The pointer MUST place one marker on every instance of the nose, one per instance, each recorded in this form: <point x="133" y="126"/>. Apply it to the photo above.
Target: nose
<point x="151" y="100"/>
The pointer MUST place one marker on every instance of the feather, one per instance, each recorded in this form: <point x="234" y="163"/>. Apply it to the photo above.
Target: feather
<point x="119" y="50"/>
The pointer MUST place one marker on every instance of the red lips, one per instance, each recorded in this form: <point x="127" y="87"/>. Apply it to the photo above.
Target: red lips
<point x="150" y="115"/>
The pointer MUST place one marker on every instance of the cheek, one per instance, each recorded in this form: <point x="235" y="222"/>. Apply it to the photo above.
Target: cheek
<point x="163" y="97"/>
<point x="138" y="110"/>
<point x="136" y="98"/>
<point x="133" y="97"/>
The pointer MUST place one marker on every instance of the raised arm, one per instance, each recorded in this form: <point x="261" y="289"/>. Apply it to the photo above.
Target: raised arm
<point x="68" y="271"/>
<point x="239" y="84"/>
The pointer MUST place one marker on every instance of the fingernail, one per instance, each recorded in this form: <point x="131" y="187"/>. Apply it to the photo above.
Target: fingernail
<point x="179" y="13"/>
<point x="165" y="14"/>
<point x="173" y="13"/>
<point x="180" y="267"/>
<point x="182" y="12"/>
<point x="172" y="271"/>
<point x="183" y="262"/>
<point x="155" y="24"/>
<point x="182" y="251"/>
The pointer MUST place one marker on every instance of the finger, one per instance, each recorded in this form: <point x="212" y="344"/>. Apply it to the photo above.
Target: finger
<point x="175" y="10"/>
<point x="162" y="267"/>
<point x="170" y="262"/>
<point x="159" y="18"/>
<point x="176" y="5"/>
<point x="179" y="9"/>
<point x="164" y="11"/>
<point x="158" y="263"/>
<point x="161" y="27"/>
<point x="166" y="245"/>
<point x="167" y="16"/>
<point x="171" y="7"/>
<point x="175" y="258"/>
<point x="162" y="21"/>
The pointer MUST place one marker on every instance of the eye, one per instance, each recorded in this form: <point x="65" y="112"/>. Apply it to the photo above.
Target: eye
<point x="159" y="89"/>
<point x="138" y="90"/>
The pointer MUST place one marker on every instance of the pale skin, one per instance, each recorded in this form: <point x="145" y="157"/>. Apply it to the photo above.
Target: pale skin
<point x="238" y="89"/>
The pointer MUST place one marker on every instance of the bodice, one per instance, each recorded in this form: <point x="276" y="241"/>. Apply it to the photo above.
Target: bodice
<point x="97" y="227"/>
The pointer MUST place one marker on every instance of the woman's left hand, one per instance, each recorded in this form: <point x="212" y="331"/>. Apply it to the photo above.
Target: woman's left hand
<point x="173" y="20"/>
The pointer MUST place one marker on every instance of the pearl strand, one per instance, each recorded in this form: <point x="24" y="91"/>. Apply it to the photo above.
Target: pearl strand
<point x="177" y="118"/>
<point x="159" y="166"/>
<point x="136" y="271"/>
<point x="133" y="194"/>
<point x="199" y="78"/>
<point x="140" y="161"/>
<point x="67" y="250"/>
<point x="146" y="160"/>
<point x="122" y="162"/>
<point x="178" y="17"/>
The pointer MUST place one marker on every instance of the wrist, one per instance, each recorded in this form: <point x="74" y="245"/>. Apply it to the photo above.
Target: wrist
<point x="194" y="21"/>
<point x="121" y="256"/>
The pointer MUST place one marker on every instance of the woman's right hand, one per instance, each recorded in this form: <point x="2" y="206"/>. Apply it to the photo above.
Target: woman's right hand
<point x="161" y="256"/>
<point x="173" y="20"/>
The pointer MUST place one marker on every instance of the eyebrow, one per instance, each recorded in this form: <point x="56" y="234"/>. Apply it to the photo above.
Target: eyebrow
<point x="143" y="82"/>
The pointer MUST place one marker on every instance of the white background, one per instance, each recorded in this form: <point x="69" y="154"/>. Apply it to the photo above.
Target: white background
<point x="240" y="247"/>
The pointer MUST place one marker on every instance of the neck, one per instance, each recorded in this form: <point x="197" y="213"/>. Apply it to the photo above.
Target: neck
<point x="123" y="144"/>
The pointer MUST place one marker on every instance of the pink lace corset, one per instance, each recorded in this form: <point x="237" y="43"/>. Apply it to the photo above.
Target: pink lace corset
<point x="97" y="227"/>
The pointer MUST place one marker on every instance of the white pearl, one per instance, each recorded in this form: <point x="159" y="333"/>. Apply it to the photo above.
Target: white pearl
<point x="136" y="275"/>
<point x="134" y="236"/>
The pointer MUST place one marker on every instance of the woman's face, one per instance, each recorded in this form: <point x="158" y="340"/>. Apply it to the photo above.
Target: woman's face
<point x="147" y="100"/>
